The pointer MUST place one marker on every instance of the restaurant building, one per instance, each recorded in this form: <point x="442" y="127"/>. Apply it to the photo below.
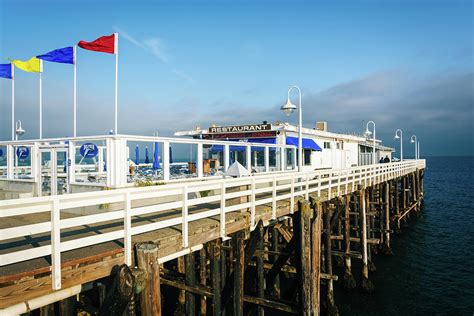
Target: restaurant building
<point x="321" y="149"/>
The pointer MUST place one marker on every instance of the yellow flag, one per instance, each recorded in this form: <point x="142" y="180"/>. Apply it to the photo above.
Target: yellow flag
<point x="32" y="65"/>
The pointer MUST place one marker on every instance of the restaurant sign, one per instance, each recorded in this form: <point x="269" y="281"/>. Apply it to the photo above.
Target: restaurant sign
<point x="240" y="128"/>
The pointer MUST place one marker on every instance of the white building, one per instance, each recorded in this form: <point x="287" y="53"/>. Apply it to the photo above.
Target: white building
<point x="322" y="149"/>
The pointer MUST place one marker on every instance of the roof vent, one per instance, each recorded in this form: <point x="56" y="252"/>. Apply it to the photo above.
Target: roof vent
<point x="322" y="126"/>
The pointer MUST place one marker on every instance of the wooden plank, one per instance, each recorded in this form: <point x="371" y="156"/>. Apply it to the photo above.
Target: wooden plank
<point x="271" y="304"/>
<point x="29" y="289"/>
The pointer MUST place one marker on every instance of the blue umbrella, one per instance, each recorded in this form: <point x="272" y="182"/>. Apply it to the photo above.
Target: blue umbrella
<point x="156" y="163"/>
<point x="137" y="155"/>
<point x="147" y="160"/>
<point x="171" y="155"/>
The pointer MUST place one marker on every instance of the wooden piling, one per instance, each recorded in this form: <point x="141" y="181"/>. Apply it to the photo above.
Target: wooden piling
<point x="215" y="258"/>
<point x="387" y="218"/>
<point x="304" y="265"/>
<point x="202" y="280"/>
<point x="349" y="281"/>
<point x="150" y="298"/>
<point x="332" y="310"/>
<point x="190" y="278"/>
<point x="366" y="284"/>
<point x="397" y="203"/>
<point x="239" y="250"/>
<point x="260" y="269"/>
<point x="275" y="247"/>
<point x="316" y="256"/>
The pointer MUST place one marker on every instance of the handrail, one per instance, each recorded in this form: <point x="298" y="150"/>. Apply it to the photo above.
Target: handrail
<point x="273" y="187"/>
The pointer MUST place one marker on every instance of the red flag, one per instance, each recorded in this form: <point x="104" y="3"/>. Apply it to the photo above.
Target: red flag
<point x="105" y="44"/>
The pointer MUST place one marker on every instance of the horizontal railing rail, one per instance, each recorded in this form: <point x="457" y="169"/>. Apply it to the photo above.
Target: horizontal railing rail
<point x="181" y="202"/>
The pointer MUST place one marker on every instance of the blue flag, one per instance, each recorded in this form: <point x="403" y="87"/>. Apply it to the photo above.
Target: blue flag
<point x="62" y="55"/>
<point x="6" y="71"/>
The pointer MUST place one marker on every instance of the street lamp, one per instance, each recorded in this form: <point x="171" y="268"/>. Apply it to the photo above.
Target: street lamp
<point x="289" y="108"/>
<point x="18" y="129"/>
<point x="367" y="132"/>
<point x="397" y="136"/>
<point x="414" y="141"/>
<point x="418" y="150"/>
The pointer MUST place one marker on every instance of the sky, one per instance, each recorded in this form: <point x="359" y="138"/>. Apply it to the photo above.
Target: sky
<point x="403" y="64"/>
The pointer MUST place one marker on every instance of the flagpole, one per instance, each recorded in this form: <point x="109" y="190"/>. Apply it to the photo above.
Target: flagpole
<point x="41" y="101"/>
<point x="75" y="104"/>
<point x="116" y="83"/>
<point x="13" y="101"/>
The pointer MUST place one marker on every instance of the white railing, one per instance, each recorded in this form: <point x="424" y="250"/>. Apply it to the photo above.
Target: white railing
<point x="115" y="151"/>
<point x="128" y="203"/>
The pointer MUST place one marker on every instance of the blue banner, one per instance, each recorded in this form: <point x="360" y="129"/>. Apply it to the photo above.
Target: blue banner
<point x="62" y="55"/>
<point x="6" y="71"/>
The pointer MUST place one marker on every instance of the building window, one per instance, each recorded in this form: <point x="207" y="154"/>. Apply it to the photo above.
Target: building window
<point x="307" y="157"/>
<point x="327" y="145"/>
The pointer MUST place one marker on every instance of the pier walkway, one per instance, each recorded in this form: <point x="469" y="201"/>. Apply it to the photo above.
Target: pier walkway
<point x="58" y="242"/>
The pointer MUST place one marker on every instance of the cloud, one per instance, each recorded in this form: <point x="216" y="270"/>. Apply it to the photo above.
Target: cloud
<point x="153" y="45"/>
<point x="157" y="48"/>
<point x="438" y="108"/>
<point x="184" y="75"/>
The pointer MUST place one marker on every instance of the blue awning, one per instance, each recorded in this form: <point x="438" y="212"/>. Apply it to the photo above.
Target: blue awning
<point x="219" y="148"/>
<point x="307" y="143"/>
<point x="263" y="140"/>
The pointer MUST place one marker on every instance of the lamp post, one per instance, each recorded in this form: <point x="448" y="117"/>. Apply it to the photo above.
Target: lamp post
<point x="397" y="136"/>
<point x="367" y="132"/>
<point x="414" y="141"/>
<point x="18" y="129"/>
<point x="289" y="108"/>
<point x="418" y="150"/>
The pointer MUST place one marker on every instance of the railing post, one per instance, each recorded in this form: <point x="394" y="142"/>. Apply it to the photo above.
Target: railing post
<point x="166" y="161"/>
<point x="282" y="158"/>
<point x="274" y="202"/>
<point x="222" y="211"/>
<point x="319" y="185"/>
<point x="184" y="225"/>
<point x="71" y="168"/>
<point x="347" y="182"/>
<point x="306" y="196"/>
<point x="199" y="162"/>
<point x="55" y="244"/>
<point x="110" y="161"/>
<point x="293" y="162"/>
<point x="127" y="229"/>
<point x="267" y="159"/>
<point x="252" y="205"/>
<point x="330" y="186"/>
<point x="10" y="162"/>
<point x="226" y="157"/>
<point x="292" y="198"/>
<point x="248" y="158"/>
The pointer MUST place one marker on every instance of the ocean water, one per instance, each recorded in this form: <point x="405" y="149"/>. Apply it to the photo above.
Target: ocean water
<point x="432" y="269"/>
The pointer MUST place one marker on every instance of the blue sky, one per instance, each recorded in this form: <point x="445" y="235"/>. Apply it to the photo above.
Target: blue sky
<point x="406" y="64"/>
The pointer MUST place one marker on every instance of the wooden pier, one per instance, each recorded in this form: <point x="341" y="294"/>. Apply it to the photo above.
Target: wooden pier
<point x="249" y="246"/>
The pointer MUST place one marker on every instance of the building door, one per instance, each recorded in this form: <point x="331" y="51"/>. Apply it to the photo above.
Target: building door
<point x="53" y="171"/>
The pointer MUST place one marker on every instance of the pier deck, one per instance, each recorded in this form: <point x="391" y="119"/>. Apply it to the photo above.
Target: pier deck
<point x="74" y="239"/>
